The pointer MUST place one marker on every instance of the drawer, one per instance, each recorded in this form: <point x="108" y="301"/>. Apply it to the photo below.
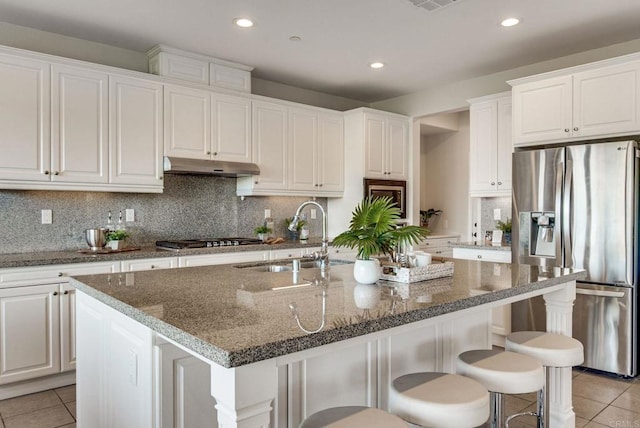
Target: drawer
<point x="482" y="255"/>
<point x="439" y="242"/>
<point x="292" y="253"/>
<point x="54" y="273"/>
<point x="149" y="264"/>
<point x="221" y="259"/>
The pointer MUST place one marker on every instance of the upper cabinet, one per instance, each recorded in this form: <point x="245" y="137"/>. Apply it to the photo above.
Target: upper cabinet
<point x="490" y="146"/>
<point x="25" y="130"/>
<point x="300" y="151"/>
<point x="386" y="145"/>
<point x="199" y="124"/>
<point x="596" y="100"/>
<point x="135" y="133"/>
<point x="62" y="127"/>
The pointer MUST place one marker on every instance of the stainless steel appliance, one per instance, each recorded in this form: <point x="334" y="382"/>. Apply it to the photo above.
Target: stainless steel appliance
<point x="204" y="243"/>
<point x="577" y="206"/>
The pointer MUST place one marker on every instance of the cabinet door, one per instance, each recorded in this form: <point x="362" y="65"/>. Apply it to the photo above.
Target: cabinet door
<point x="24" y="119"/>
<point x="79" y="117"/>
<point x="542" y="111"/>
<point x="607" y="100"/>
<point x="303" y="143"/>
<point x="374" y="136"/>
<point x="504" y="145"/>
<point x="483" y="146"/>
<point x="135" y="132"/>
<point x="270" y="145"/>
<point x="67" y="328"/>
<point x="331" y="153"/>
<point x="231" y="127"/>
<point x="396" y="150"/>
<point x="187" y="120"/>
<point x="29" y="332"/>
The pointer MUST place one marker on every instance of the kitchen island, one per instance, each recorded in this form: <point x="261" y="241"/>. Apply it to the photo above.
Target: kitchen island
<point x="140" y="333"/>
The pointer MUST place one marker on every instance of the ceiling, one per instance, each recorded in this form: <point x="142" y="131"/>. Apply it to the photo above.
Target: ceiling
<point x="339" y="38"/>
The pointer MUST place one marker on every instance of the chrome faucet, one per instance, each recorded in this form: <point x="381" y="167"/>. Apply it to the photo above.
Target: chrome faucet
<point x="323" y="254"/>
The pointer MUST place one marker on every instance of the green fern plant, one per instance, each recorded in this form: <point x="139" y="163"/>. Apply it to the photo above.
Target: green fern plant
<point x="372" y="229"/>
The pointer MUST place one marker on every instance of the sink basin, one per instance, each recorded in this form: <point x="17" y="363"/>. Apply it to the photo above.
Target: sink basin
<point x="273" y="268"/>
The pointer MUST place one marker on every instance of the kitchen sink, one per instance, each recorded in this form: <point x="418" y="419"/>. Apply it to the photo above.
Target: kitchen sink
<point x="287" y="265"/>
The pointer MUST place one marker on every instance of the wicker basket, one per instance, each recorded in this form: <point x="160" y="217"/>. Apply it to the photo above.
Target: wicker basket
<point x="416" y="274"/>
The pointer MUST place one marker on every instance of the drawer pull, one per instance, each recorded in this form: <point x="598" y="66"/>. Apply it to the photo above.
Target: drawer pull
<point x="153" y="266"/>
<point x="479" y="256"/>
<point x="55" y="293"/>
<point x="60" y="274"/>
<point x="66" y="292"/>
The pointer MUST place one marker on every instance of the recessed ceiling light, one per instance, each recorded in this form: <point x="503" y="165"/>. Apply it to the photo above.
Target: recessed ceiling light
<point x="295" y="38"/>
<point x="243" y="22"/>
<point x="376" y="65"/>
<point x="510" y="22"/>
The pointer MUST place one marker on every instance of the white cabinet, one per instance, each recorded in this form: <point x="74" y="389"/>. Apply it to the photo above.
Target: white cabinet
<point x="202" y="125"/>
<point x="386" y="146"/>
<point x="438" y="245"/>
<point x="291" y="253"/>
<point x="342" y="254"/>
<point x="316" y="152"/>
<point x="79" y="125"/>
<point x="490" y="146"/>
<point x="25" y="119"/>
<point x="135" y="134"/>
<point x="29" y="337"/>
<point x="149" y="264"/>
<point x="37" y="315"/>
<point x="602" y="99"/>
<point x="269" y="134"/>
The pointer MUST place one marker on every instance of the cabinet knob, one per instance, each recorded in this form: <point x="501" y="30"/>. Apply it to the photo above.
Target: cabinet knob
<point x="56" y="173"/>
<point x="576" y="128"/>
<point x="315" y="185"/>
<point x="475" y="234"/>
<point x="60" y="274"/>
<point x="320" y="185"/>
<point x="215" y="153"/>
<point x="153" y="266"/>
<point x="566" y="130"/>
<point x="499" y="183"/>
<point x="208" y="153"/>
<point x="493" y="183"/>
<point x="479" y="256"/>
<point x="66" y="292"/>
<point x="46" y="173"/>
<point x="255" y="182"/>
<point x="55" y="293"/>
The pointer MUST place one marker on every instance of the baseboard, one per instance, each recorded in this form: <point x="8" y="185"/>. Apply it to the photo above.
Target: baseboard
<point x="497" y="340"/>
<point x="17" y="389"/>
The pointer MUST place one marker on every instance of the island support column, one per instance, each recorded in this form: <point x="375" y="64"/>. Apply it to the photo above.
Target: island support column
<point x="560" y="320"/>
<point x="244" y="395"/>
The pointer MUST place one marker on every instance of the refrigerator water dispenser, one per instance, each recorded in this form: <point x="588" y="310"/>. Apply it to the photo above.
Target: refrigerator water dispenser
<point x="537" y="234"/>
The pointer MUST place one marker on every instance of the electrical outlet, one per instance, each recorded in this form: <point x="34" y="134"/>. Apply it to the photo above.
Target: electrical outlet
<point x="497" y="215"/>
<point x="267" y="213"/>
<point x="47" y="216"/>
<point x="314" y="214"/>
<point x="130" y="215"/>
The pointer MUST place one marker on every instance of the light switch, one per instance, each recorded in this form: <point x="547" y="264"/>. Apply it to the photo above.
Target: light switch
<point x="497" y="215"/>
<point x="130" y="215"/>
<point x="47" y="217"/>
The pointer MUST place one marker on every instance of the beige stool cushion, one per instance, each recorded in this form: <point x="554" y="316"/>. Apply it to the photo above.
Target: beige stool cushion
<point x="353" y="417"/>
<point x="439" y="400"/>
<point x="502" y="371"/>
<point x="552" y="350"/>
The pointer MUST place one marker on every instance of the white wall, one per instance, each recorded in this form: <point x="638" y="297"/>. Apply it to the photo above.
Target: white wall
<point x="444" y="177"/>
<point x="453" y="96"/>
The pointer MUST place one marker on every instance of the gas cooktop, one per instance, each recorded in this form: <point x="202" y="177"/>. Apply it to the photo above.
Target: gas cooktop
<point x="204" y="243"/>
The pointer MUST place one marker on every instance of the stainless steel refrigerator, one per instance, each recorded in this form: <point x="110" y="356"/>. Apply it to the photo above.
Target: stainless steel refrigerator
<point x="577" y="206"/>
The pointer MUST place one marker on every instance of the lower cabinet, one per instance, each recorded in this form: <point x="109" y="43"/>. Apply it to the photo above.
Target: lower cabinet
<point x="499" y="256"/>
<point x="221" y="259"/>
<point x="149" y="264"/>
<point x="438" y="245"/>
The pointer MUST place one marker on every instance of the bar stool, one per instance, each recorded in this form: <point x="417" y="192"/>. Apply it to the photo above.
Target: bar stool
<point x="353" y="417"/>
<point x="552" y="350"/>
<point x="439" y="400"/>
<point x="501" y="372"/>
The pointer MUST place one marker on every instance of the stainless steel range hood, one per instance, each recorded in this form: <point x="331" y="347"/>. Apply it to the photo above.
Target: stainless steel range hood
<point x="173" y="165"/>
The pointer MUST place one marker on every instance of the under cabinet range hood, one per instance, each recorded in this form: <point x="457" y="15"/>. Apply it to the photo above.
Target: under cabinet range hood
<point x="173" y="165"/>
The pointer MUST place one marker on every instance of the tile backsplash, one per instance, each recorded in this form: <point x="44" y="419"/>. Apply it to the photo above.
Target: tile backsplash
<point x="190" y="207"/>
<point x="487" y="205"/>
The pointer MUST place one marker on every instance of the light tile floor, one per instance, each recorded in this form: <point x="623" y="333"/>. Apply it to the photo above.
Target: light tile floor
<point x="599" y="402"/>
<point x="55" y="408"/>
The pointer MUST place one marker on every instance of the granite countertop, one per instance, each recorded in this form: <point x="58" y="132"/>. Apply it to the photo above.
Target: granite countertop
<point x="44" y="258"/>
<point x="481" y="245"/>
<point x="239" y="315"/>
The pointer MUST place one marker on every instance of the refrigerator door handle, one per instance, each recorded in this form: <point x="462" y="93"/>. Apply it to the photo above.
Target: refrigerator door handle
<point x="567" y="218"/>
<point x="600" y="293"/>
